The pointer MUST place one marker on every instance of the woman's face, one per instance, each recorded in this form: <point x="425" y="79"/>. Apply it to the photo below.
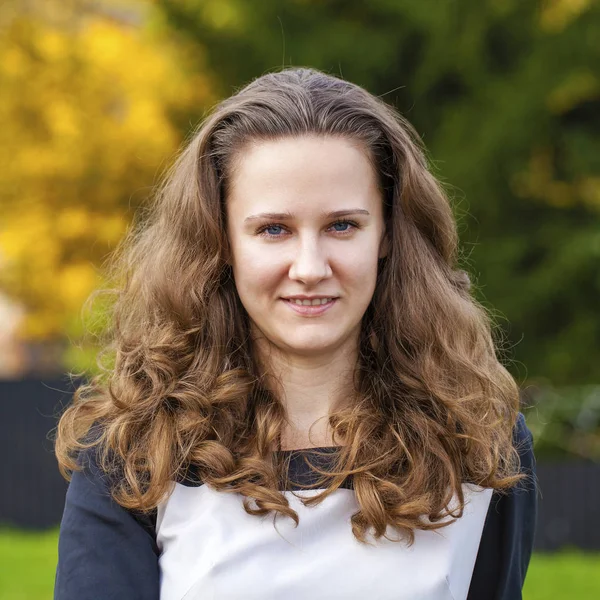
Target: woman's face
<point x="305" y="223"/>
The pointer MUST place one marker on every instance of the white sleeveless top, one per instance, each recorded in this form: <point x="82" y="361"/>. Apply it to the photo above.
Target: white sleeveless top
<point x="211" y="549"/>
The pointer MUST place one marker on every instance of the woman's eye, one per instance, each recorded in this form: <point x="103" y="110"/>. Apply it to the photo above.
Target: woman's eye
<point x="344" y="226"/>
<point x="273" y="229"/>
<point x="341" y="225"/>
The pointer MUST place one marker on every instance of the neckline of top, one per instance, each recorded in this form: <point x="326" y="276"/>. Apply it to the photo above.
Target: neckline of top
<point x="315" y="449"/>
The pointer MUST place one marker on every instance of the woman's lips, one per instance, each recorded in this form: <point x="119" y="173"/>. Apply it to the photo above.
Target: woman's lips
<point x="310" y="311"/>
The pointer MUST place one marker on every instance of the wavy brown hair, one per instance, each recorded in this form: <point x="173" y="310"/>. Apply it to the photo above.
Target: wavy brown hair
<point x="432" y="407"/>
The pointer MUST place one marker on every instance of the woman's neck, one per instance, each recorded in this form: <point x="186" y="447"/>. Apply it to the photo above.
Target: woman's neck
<point x="310" y="388"/>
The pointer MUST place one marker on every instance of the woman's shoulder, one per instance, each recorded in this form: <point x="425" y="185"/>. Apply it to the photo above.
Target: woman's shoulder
<point x="102" y="545"/>
<point x="521" y="433"/>
<point x="508" y="535"/>
<point x="95" y="479"/>
<point x="523" y="442"/>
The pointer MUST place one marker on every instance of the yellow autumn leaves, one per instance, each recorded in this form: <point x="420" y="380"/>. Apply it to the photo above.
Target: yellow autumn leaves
<point x="86" y="115"/>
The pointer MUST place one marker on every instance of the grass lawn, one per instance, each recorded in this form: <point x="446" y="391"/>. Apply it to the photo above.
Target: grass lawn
<point x="568" y="575"/>
<point x="29" y="559"/>
<point x="28" y="562"/>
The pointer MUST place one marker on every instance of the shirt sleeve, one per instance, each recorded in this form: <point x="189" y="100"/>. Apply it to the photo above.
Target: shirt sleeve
<point x="104" y="550"/>
<point x="508" y="534"/>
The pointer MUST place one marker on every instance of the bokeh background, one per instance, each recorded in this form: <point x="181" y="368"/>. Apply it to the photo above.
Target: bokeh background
<point x="96" y="98"/>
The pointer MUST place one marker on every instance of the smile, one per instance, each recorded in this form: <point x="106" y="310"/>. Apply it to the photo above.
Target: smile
<point x="310" y="308"/>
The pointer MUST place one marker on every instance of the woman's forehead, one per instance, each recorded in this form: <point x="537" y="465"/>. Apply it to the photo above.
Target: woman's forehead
<point x="306" y="173"/>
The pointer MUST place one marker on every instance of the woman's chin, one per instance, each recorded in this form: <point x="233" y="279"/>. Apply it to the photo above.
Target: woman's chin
<point x="310" y="347"/>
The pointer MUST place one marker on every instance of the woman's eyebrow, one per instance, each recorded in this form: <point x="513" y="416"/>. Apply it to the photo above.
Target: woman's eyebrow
<point x="286" y="216"/>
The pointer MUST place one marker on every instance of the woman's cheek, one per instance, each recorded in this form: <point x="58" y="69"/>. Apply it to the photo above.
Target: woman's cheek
<point x="359" y="265"/>
<point x="260" y="268"/>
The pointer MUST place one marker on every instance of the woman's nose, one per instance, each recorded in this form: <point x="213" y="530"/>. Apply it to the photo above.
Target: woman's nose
<point x="310" y="263"/>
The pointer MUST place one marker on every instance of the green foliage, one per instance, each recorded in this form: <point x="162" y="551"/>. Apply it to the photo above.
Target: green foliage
<point x="506" y="95"/>
<point x="565" y="422"/>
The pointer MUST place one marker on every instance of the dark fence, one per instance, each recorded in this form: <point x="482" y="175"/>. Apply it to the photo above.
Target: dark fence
<point x="34" y="491"/>
<point x="569" y="505"/>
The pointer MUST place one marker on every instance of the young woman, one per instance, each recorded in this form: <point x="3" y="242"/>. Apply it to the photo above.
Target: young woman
<point x="303" y="398"/>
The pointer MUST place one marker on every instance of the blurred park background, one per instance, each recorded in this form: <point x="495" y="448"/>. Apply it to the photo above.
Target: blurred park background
<point x="96" y="97"/>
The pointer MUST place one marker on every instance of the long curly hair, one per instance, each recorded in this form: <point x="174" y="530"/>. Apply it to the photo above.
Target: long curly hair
<point x="432" y="408"/>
